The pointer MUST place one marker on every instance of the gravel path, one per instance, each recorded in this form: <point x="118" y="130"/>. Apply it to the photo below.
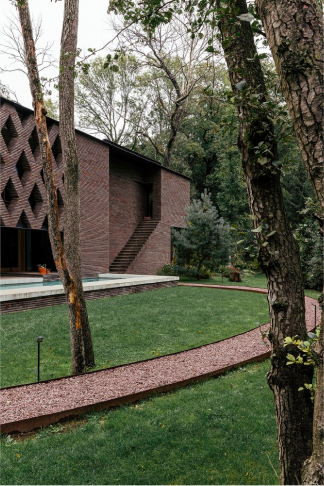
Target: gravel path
<point x="40" y="399"/>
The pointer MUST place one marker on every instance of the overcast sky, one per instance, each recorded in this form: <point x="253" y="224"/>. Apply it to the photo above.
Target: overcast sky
<point x="93" y="32"/>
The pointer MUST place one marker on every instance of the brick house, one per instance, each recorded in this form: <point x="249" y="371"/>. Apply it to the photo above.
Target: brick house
<point x="128" y="202"/>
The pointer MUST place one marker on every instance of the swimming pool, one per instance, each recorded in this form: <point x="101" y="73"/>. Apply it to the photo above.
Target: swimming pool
<point x="36" y="293"/>
<point x="37" y="283"/>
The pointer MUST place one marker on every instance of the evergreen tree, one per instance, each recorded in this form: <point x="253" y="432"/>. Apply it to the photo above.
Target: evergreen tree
<point x="205" y="240"/>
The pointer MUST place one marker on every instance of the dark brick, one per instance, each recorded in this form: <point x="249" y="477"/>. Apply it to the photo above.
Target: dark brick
<point x="113" y="194"/>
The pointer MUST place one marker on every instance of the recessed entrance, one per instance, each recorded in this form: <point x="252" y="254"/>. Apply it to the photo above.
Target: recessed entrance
<point x="148" y="200"/>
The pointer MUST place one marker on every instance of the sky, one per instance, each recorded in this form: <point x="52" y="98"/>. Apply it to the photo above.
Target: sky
<point x="93" y="33"/>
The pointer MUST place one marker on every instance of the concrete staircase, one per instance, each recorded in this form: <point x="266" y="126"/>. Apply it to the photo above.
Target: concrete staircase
<point x="128" y="254"/>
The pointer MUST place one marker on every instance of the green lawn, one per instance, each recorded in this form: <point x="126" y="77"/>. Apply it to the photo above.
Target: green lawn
<point x="312" y="293"/>
<point x="126" y="328"/>
<point x="257" y="280"/>
<point x="221" y="431"/>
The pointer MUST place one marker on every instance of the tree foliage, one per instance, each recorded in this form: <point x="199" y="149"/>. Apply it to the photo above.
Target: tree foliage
<point x="205" y="240"/>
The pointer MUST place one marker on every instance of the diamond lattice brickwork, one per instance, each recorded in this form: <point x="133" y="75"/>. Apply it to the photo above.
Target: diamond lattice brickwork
<point x="23" y="197"/>
<point x="57" y="150"/>
<point x="23" y="169"/>
<point x="35" y="200"/>
<point x="33" y="141"/>
<point x="23" y="221"/>
<point x="10" y="196"/>
<point x="9" y="133"/>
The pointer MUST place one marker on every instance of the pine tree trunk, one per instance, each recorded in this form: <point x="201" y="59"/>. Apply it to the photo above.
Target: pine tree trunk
<point x="294" y="30"/>
<point x="72" y="241"/>
<point x="77" y="347"/>
<point x="278" y="250"/>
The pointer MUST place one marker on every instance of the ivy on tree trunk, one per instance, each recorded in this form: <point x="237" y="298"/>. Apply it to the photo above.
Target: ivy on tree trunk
<point x="294" y="30"/>
<point x="278" y="250"/>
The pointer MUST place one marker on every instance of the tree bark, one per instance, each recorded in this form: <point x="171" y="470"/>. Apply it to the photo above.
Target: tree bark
<point x="77" y="346"/>
<point x="177" y="116"/>
<point x="72" y="241"/>
<point x="278" y="250"/>
<point x="294" y="30"/>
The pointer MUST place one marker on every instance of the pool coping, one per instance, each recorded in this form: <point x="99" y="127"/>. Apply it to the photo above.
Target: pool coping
<point x="121" y="280"/>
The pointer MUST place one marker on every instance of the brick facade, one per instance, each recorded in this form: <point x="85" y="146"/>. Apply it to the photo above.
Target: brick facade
<point x="94" y="201"/>
<point x="174" y="197"/>
<point x="115" y="184"/>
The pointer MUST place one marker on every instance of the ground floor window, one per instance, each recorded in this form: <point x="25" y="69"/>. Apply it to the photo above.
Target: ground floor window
<point x="23" y="249"/>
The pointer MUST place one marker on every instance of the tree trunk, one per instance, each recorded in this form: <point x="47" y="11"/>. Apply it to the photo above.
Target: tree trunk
<point x="72" y="241"/>
<point x="77" y="347"/>
<point x="294" y="30"/>
<point x="176" y="119"/>
<point x="278" y="251"/>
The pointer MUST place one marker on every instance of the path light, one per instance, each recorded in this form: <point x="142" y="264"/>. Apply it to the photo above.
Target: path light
<point x="315" y="313"/>
<point x="39" y="340"/>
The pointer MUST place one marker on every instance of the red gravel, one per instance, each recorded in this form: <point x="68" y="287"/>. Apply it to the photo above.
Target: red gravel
<point x="39" y="399"/>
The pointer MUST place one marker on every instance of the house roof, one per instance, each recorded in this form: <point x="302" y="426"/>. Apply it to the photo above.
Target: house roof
<point x="115" y="149"/>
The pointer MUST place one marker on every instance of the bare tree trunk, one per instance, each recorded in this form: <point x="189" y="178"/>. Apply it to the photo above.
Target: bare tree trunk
<point x="294" y="30"/>
<point x="176" y="118"/>
<point x="77" y="346"/>
<point x="278" y="251"/>
<point x="72" y="241"/>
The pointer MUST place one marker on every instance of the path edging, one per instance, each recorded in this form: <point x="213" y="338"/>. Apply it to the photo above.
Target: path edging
<point x="26" y="425"/>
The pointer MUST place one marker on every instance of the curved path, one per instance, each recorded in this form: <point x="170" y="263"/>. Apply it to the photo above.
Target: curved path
<point x="27" y="407"/>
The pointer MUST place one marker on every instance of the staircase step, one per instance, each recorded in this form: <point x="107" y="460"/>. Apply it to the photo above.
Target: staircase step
<point x="138" y="239"/>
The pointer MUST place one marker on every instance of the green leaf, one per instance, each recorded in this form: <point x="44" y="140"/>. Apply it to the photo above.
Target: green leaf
<point x="247" y="17"/>
<point x="312" y="335"/>
<point x="271" y="234"/>
<point x="262" y="160"/>
<point x="258" y="229"/>
<point x="288" y="340"/>
<point x="300" y="388"/>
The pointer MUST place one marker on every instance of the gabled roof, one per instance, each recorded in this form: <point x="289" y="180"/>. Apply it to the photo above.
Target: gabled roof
<point x="115" y="149"/>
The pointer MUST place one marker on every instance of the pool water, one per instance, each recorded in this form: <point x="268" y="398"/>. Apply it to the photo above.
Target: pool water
<point x="49" y="284"/>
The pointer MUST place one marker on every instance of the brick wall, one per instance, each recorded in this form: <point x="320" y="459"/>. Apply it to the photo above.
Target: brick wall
<point x="21" y="171"/>
<point x="113" y="193"/>
<point x="94" y="200"/>
<point x="175" y="196"/>
<point x="128" y="199"/>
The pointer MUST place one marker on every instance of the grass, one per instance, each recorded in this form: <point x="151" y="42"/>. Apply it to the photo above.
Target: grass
<point x="257" y="280"/>
<point x="126" y="328"/>
<point x="312" y="293"/>
<point x="221" y="431"/>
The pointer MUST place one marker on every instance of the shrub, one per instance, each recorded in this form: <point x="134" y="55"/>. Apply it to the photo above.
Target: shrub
<point x="205" y="242"/>
<point x="171" y="269"/>
<point x="311" y="253"/>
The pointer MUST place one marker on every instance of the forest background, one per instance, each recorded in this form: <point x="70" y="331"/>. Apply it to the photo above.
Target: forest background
<point x="168" y="97"/>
